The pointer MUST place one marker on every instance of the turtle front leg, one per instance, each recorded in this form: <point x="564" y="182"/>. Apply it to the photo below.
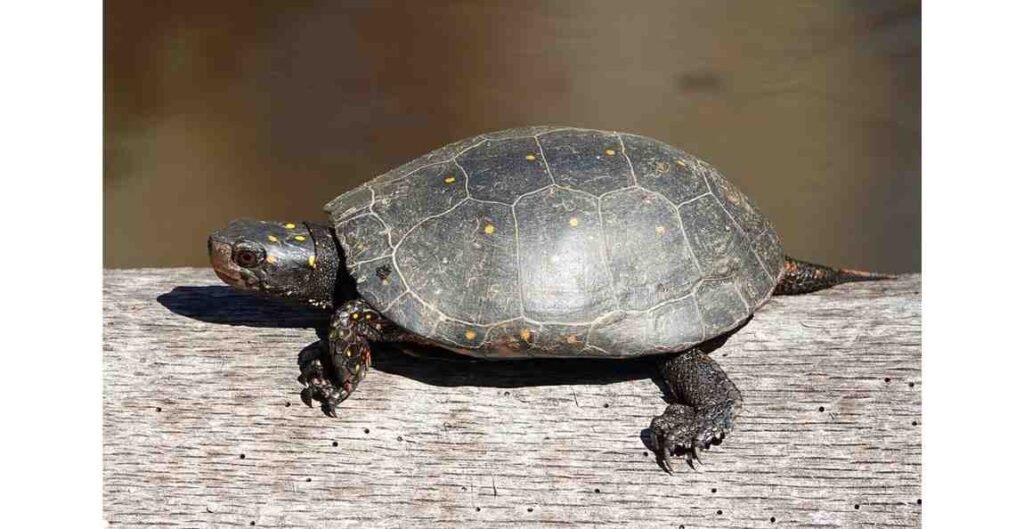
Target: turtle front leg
<point x="332" y="372"/>
<point x="708" y="403"/>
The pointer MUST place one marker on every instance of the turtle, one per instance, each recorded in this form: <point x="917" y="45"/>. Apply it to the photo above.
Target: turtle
<point x="536" y="242"/>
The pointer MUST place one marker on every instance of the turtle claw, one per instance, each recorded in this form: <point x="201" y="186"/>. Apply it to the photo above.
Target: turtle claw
<point x="324" y="392"/>
<point x="307" y="396"/>
<point x="665" y="459"/>
<point x="684" y="431"/>
<point x="320" y="387"/>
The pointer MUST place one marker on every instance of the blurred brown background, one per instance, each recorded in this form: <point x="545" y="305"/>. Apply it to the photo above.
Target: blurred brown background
<point x="217" y="110"/>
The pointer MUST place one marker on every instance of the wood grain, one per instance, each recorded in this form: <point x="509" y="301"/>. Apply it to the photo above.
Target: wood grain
<point x="203" y="426"/>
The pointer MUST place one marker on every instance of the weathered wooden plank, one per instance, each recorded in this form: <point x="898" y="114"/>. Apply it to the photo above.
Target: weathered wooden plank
<point x="197" y="376"/>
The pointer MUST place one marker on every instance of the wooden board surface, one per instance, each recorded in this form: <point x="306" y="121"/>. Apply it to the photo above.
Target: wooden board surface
<point x="203" y="426"/>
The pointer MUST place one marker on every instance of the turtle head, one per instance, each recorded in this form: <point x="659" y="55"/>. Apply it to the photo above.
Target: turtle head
<point x="280" y="259"/>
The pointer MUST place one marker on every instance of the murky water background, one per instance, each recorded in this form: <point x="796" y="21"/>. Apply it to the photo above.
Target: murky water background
<point x="216" y="110"/>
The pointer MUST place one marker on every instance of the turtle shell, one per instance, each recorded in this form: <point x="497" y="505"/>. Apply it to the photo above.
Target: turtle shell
<point x="556" y="242"/>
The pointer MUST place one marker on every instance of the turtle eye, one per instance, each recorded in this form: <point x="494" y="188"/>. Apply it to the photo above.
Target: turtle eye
<point x="248" y="258"/>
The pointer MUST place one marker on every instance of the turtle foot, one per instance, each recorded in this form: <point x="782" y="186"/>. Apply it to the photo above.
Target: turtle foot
<point x="318" y="383"/>
<point x="685" y="431"/>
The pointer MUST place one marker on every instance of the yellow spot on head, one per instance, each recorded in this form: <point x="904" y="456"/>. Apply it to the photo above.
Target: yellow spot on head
<point x="300" y="238"/>
<point x="271" y="238"/>
<point x="489" y="229"/>
<point x="680" y="163"/>
<point x="312" y="261"/>
<point x="574" y="222"/>
<point x="531" y="157"/>
<point x="571" y="338"/>
<point x="289" y="226"/>
<point x="271" y="259"/>
<point x="660" y="230"/>
<point x="610" y="152"/>
<point x="525" y="334"/>
<point x="470" y="334"/>
<point x="449" y="179"/>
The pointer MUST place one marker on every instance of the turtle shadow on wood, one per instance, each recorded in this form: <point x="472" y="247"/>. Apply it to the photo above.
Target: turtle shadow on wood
<point x="230" y="306"/>
<point x="429" y="365"/>
<point x="439" y="367"/>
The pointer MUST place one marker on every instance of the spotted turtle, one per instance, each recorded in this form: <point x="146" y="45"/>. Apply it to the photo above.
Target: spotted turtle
<point x="535" y="242"/>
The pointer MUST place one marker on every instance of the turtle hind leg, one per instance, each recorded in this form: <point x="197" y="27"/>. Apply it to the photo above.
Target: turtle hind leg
<point x="801" y="277"/>
<point x="332" y="371"/>
<point x="708" y="403"/>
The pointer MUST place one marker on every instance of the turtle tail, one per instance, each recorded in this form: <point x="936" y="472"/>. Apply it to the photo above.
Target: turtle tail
<point x="800" y="277"/>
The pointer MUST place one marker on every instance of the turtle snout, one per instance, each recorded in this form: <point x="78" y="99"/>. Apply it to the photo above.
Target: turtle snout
<point x="220" y="259"/>
<point x="218" y="250"/>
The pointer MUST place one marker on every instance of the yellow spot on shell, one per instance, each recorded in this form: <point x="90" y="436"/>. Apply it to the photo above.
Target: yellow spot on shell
<point x="531" y="157"/>
<point x="574" y="222"/>
<point x="449" y="179"/>
<point x="470" y="334"/>
<point x="300" y="238"/>
<point x="357" y="368"/>
<point x="348" y="352"/>
<point x="571" y="338"/>
<point x="290" y="226"/>
<point x="489" y="229"/>
<point x="271" y="238"/>
<point x="525" y="334"/>
<point x="355" y="315"/>
<point x="312" y="261"/>
<point x="680" y="163"/>
<point x="610" y="152"/>
<point x="660" y="230"/>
